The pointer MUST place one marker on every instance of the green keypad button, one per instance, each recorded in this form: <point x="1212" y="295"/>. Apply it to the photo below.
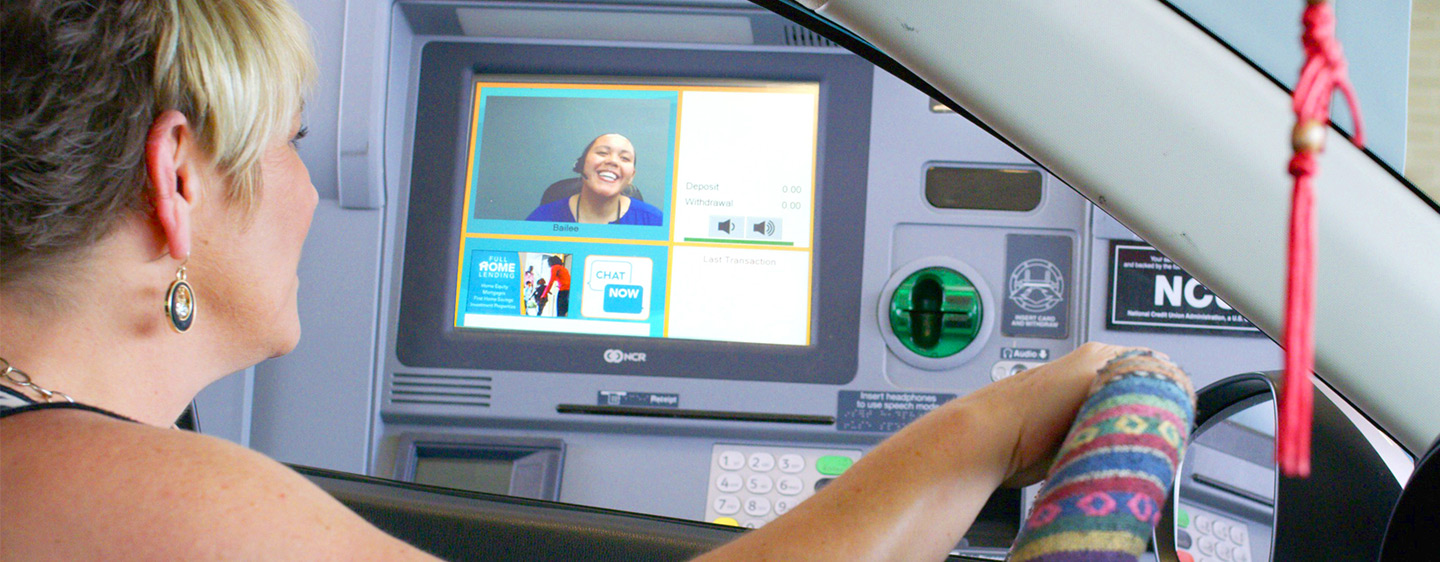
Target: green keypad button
<point x="832" y="465"/>
<point x="1182" y="519"/>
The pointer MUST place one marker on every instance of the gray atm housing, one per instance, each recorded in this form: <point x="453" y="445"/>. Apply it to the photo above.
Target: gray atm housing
<point x="662" y="466"/>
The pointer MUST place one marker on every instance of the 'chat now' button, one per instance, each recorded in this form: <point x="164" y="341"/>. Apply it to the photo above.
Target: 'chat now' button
<point x="624" y="299"/>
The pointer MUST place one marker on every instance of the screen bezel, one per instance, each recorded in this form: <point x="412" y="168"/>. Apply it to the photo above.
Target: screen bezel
<point x="425" y="332"/>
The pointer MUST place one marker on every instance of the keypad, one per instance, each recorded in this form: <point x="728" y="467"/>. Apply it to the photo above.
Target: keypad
<point x="1207" y="537"/>
<point x="752" y="485"/>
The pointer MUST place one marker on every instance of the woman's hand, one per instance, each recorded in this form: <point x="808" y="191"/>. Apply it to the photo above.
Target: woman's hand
<point x="1032" y="411"/>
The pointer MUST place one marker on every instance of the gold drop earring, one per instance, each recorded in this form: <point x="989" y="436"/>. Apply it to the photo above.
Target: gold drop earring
<point x="180" y="301"/>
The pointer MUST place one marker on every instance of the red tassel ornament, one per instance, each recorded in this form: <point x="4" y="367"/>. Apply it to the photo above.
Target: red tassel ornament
<point x="1323" y="73"/>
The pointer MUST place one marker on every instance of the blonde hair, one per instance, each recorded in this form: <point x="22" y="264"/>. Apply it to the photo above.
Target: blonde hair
<point x="219" y="64"/>
<point x="85" y="79"/>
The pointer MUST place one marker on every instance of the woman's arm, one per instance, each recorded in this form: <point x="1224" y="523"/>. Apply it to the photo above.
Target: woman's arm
<point x="915" y="494"/>
<point x="75" y="485"/>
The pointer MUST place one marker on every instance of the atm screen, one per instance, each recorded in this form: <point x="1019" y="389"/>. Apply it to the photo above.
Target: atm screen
<point x="637" y="211"/>
<point x="640" y="208"/>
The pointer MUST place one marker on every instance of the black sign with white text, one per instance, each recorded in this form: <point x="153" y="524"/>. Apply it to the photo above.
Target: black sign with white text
<point x="1037" y="286"/>
<point x="1150" y="293"/>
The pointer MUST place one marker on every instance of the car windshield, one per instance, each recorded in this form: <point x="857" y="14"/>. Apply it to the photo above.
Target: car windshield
<point x="768" y="322"/>
<point x="1390" y="80"/>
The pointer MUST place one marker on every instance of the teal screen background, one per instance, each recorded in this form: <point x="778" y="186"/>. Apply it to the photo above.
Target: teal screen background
<point x="530" y="138"/>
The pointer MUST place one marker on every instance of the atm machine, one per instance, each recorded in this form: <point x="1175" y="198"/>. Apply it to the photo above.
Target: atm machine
<point x="825" y="254"/>
<point x="835" y="255"/>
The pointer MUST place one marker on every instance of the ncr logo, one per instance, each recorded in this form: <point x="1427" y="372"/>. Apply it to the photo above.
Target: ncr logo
<point x="620" y="356"/>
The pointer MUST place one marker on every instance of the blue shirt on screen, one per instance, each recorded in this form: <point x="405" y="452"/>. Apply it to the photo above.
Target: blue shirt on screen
<point x="640" y="213"/>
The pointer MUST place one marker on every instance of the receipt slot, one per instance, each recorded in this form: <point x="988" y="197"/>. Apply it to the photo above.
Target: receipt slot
<point x="935" y="312"/>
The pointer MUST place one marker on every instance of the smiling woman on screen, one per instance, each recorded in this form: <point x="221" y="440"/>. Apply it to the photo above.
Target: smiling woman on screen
<point x="606" y="168"/>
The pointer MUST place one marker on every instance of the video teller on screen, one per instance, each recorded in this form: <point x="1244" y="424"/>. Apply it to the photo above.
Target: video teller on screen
<point x="606" y="168"/>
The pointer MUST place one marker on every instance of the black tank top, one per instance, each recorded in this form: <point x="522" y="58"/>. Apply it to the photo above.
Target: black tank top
<point x="12" y="403"/>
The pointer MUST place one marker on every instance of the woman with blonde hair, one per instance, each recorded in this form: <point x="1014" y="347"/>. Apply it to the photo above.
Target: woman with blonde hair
<point x="154" y="210"/>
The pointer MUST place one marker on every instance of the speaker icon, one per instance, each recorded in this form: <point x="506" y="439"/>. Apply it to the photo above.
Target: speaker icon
<point x="764" y="228"/>
<point x="727" y="226"/>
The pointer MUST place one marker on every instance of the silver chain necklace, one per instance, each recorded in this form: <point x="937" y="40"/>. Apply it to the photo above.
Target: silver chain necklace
<point x="21" y="379"/>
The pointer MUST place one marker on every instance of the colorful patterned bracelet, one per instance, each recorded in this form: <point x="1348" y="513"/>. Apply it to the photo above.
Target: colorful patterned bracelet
<point x="1104" y="492"/>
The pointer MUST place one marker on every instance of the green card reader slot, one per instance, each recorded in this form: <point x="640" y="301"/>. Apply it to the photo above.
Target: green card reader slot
<point x="936" y="312"/>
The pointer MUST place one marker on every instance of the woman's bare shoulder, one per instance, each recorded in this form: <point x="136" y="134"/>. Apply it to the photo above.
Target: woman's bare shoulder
<point x="79" y="485"/>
